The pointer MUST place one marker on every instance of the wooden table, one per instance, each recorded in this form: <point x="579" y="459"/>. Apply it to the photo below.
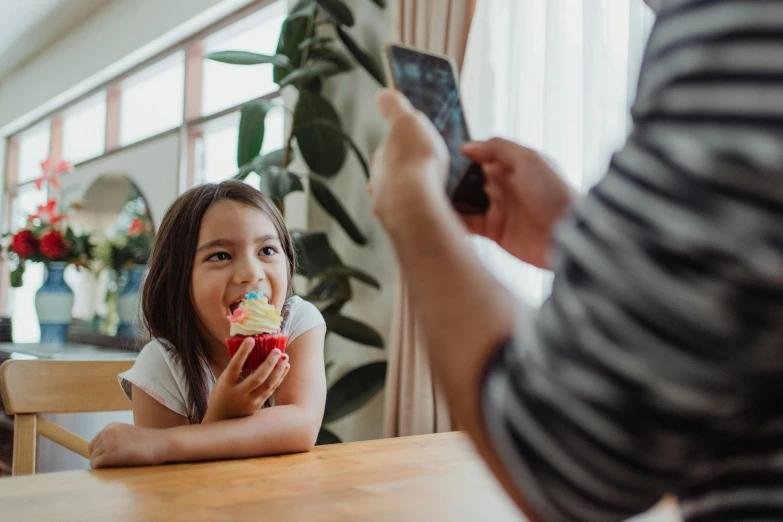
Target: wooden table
<point x="434" y="478"/>
<point x="426" y="478"/>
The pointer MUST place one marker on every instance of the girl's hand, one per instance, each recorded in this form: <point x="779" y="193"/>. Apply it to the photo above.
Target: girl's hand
<point x="234" y="397"/>
<point x="125" y="445"/>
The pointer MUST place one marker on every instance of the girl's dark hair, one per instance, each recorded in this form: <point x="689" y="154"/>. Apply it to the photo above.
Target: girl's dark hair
<point x="167" y="306"/>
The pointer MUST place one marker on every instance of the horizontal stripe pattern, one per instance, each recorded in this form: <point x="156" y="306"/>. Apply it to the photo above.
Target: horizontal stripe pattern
<point x="656" y="365"/>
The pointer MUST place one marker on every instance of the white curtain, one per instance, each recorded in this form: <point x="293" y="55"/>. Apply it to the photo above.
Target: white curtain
<point x="558" y="76"/>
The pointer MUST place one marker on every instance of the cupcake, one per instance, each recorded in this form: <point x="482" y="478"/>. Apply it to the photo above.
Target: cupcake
<point x="256" y="317"/>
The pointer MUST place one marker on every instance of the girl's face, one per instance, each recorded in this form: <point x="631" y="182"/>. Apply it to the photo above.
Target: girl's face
<point x="238" y="251"/>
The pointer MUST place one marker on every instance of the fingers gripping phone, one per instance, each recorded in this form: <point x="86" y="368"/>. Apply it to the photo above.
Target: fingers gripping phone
<point x="429" y="81"/>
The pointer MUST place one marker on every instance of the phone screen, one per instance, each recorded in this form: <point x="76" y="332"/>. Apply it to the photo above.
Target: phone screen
<point x="429" y="83"/>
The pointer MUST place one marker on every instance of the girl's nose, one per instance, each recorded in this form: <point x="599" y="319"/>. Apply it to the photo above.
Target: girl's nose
<point x="249" y="271"/>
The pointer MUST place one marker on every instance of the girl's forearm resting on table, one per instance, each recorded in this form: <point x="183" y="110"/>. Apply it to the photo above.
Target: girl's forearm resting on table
<point x="270" y="431"/>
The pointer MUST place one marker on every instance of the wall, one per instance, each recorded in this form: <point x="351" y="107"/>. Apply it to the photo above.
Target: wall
<point x="113" y="32"/>
<point x="353" y="95"/>
<point x="153" y="167"/>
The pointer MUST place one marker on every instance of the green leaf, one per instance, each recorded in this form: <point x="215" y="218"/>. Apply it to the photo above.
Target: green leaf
<point x="283" y="183"/>
<point x="332" y="310"/>
<point x="354" y="390"/>
<point x="314" y="87"/>
<point x="366" y="61"/>
<point x="332" y="205"/>
<point x="359" y="275"/>
<point x="293" y="33"/>
<point x="315" y="42"/>
<point x="248" y="58"/>
<point x="16" y="276"/>
<point x="276" y="182"/>
<point x="261" y="163"/>
<point x="330" y="289"/>
<point x="274" y="158"/>
<point x="355" y="331"/>
<point x="326" y="437"/>
<point x="336" y="11"/>
<point x="322" y="148"/>
<point x="251" y="132"/>
<point x="314" y="253"/>
<point x="359" y="155"/>
<point x="339" y="58"/>
<point x="311" y="71"/>
<point x="302" y="8"/>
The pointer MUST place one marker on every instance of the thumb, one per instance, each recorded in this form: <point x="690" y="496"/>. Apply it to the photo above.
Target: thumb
<point x="393" y="105"/>
<point x="496" y="150"/>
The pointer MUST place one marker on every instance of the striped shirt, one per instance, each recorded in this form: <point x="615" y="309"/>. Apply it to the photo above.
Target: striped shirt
<point x="656" y="366"/>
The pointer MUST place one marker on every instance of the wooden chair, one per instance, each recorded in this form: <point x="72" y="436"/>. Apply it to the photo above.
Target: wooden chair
<point x="29" y="388"/>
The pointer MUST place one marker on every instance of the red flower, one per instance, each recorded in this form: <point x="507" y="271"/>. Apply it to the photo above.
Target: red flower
<point x="63" y="166"/>
<point x="137" y="227"/>
<point x="53" y="245"/>
<point x="47" y="214"/>
<point x="50" y="172"/>
<point x="24" y="243"/>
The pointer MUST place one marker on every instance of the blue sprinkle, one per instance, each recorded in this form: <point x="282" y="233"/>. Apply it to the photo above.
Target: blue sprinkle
<point x="251" y="295"/>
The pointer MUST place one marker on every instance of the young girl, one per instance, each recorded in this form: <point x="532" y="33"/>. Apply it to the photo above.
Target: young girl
<point x="216" y="243"/>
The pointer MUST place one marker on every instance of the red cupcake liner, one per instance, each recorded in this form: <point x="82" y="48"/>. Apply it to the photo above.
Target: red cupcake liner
<point x="265" y="343"/>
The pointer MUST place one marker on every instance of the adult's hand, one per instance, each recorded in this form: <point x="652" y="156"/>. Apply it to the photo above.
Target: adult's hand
<point x="409" y="168"/>
<point x="527" y="197"/>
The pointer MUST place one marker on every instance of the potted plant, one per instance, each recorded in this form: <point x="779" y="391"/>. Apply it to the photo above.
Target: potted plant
<point x="48" y="239"/>
<point x="316" y="44"/>
<point x="127" y="255"/>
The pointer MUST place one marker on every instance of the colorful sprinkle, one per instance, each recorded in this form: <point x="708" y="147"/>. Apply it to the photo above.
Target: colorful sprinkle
<point x="253" y="295"/>
<point x="238" y="316"/>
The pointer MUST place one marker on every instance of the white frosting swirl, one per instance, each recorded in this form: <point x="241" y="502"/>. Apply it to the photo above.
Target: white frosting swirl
<point x="260" y="317"/>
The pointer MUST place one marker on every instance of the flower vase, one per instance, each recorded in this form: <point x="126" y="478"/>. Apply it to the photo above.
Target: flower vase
<point x="53" y="304"/>
<point x="128" y="304"/>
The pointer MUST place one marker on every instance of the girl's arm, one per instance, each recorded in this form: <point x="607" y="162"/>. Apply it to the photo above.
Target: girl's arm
<point x="290" y="426"/>
<point x="149" y="413"/>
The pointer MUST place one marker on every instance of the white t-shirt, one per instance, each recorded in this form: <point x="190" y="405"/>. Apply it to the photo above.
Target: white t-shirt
<point x="159" y="372"/>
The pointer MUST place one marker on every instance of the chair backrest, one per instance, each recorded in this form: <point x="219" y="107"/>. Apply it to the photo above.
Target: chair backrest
<point x="29" y="388"/>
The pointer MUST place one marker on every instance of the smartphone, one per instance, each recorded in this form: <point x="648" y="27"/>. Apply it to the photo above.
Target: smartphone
<point x="429" y="81"/>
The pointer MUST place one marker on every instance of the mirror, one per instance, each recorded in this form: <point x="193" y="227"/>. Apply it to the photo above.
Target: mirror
<point x="116" y="215"/>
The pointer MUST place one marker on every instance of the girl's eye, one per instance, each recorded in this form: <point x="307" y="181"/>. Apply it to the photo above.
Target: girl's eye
<point x="269" y="251"/>
<point x="220" y="256"/>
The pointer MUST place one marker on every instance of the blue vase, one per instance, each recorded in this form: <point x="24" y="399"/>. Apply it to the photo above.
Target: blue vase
<point x="53" y="304"/>
<point x="128" y="305"/>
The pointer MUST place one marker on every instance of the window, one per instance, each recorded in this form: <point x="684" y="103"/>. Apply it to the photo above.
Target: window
<point x="153" y="100"/>
<point x="84" y="129"/>
<point x="227" y="85"/>
<point x="33" y="149"/>
<point x="217" y="153"/>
